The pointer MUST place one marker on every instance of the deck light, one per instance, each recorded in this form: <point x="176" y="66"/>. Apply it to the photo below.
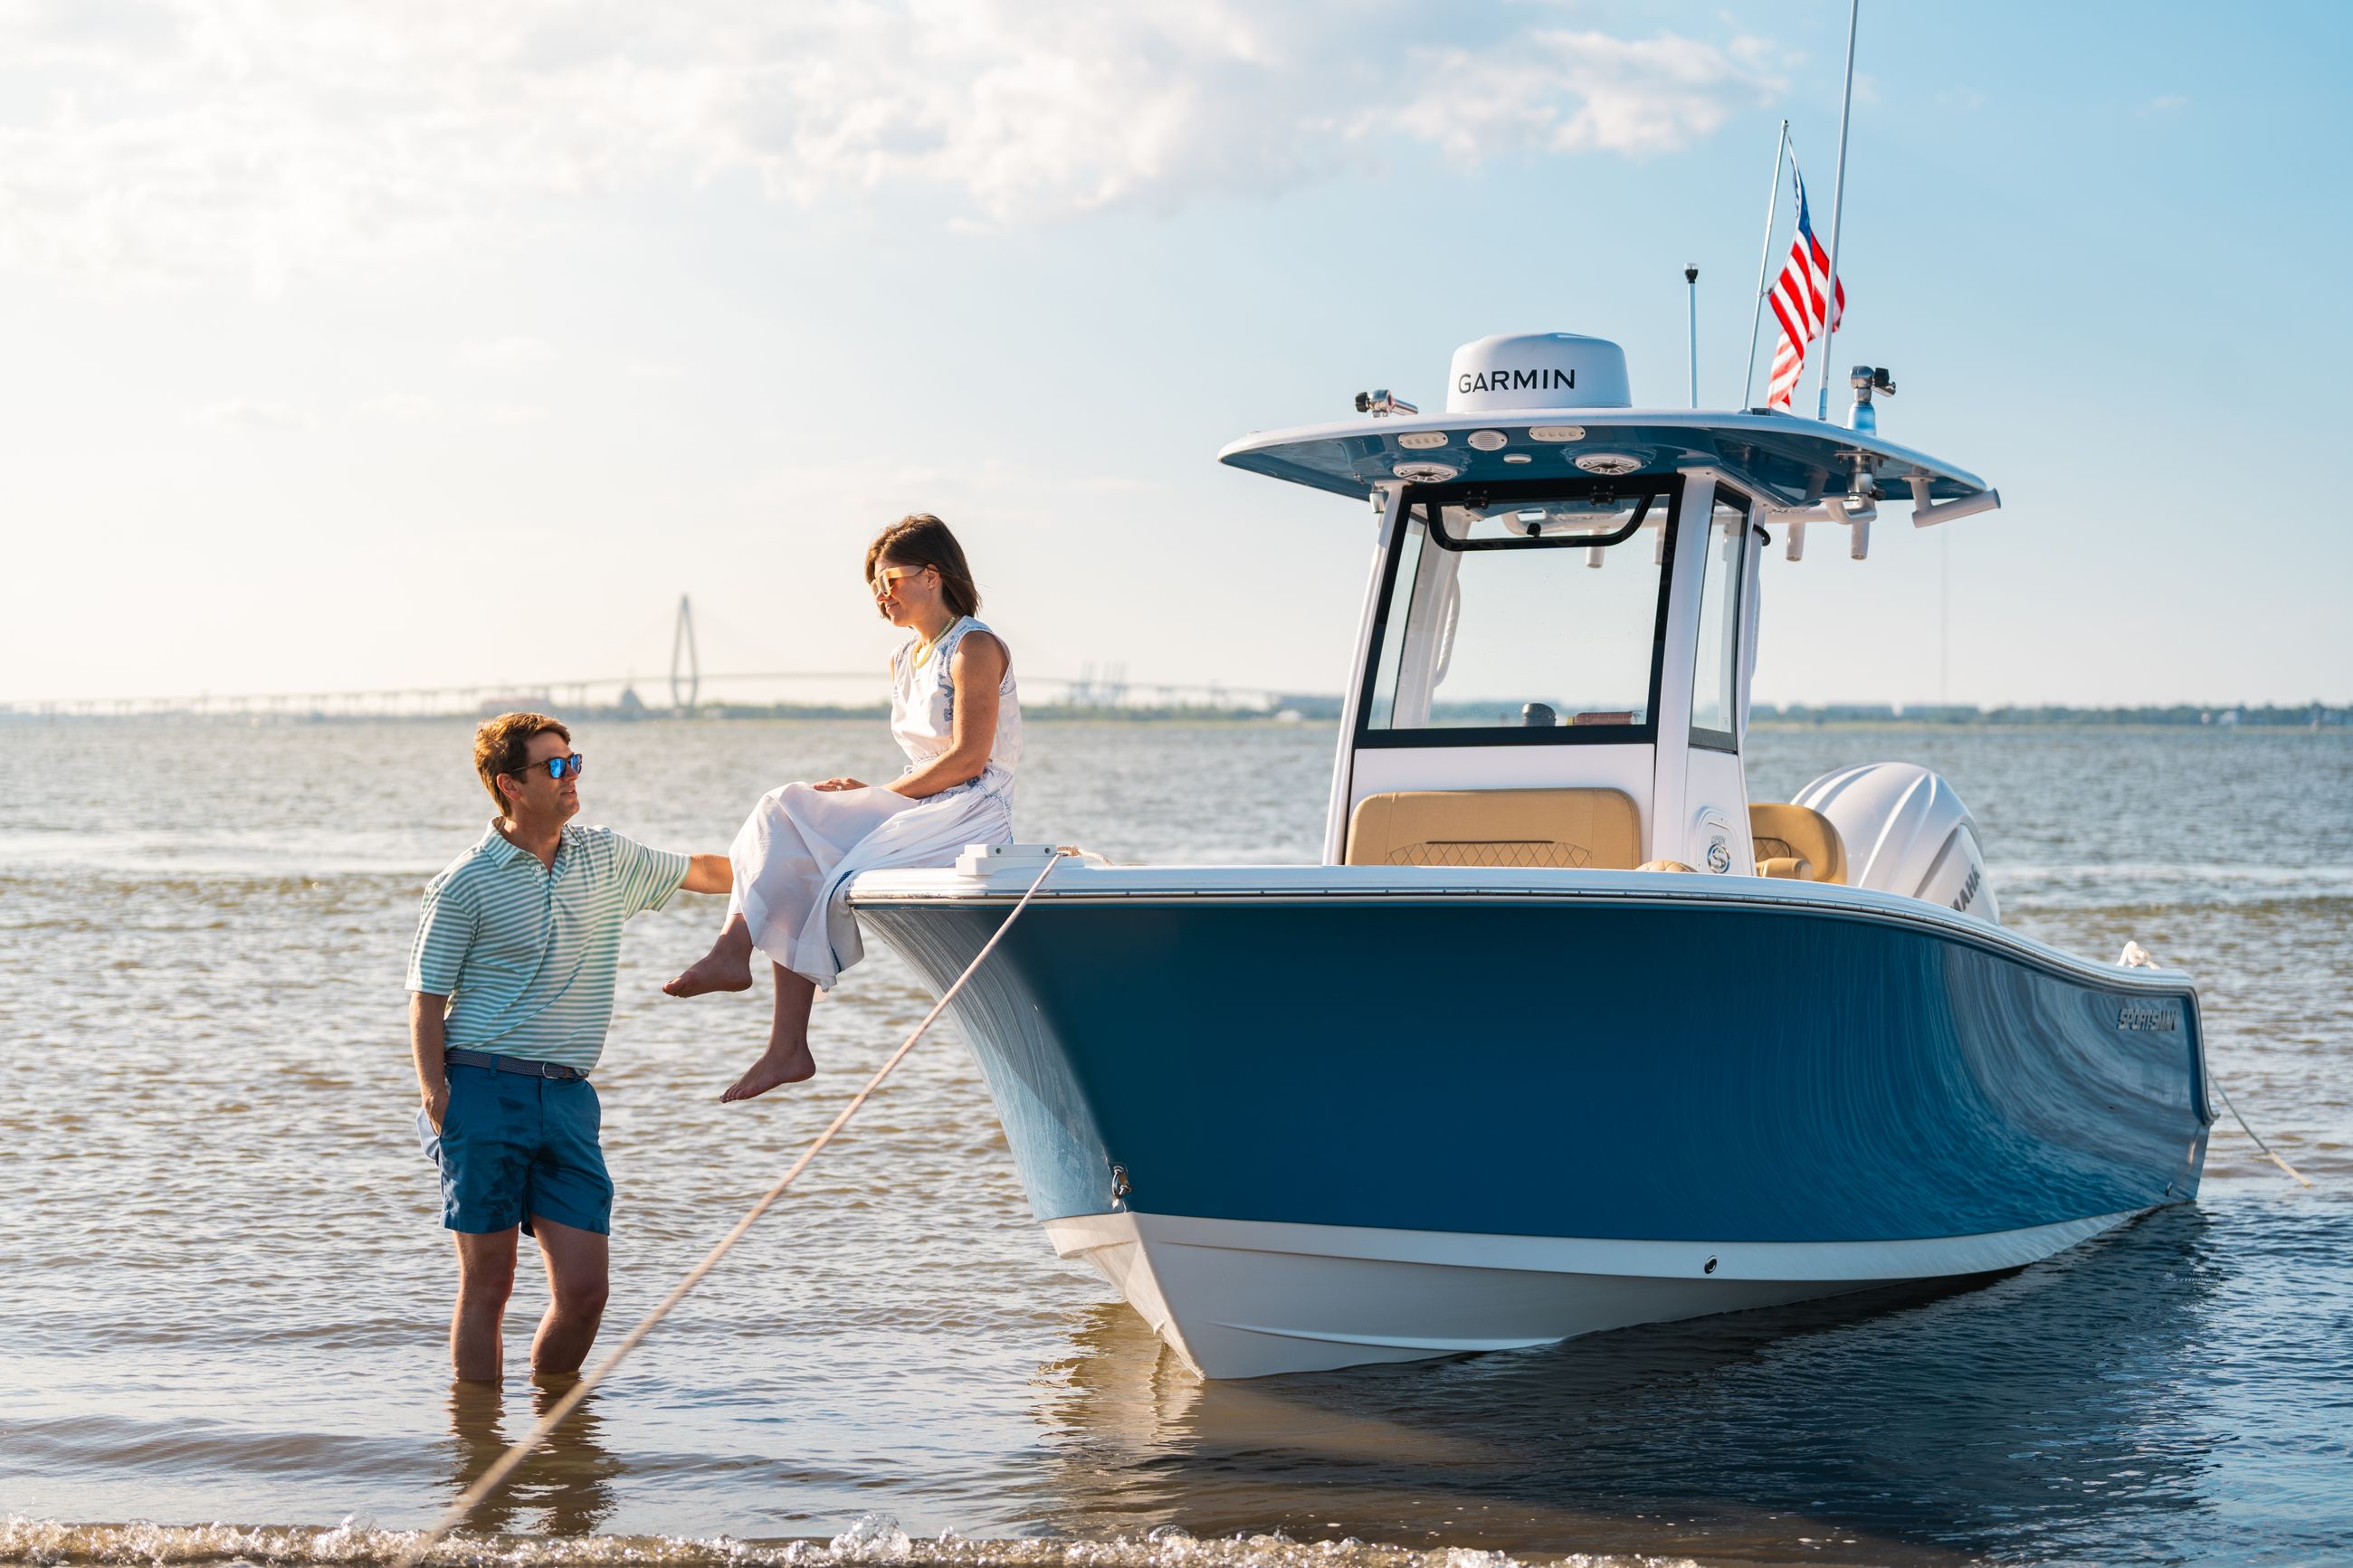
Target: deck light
<point x="1488" y="440"/>
<point x="1517" y="458"/>
<point x="1556" y="432"/>
<point x="1423" y="440"/>
<point x="1865" y="379"/>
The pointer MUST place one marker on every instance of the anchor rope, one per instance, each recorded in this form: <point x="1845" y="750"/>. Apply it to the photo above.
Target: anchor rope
<point x="2135" y="956"/>
<point x="493" y="1479"/>
<point x="2274" y="1159"/>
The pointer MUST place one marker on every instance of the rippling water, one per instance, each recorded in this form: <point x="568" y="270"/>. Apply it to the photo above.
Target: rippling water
<point x="223" y="1283"/>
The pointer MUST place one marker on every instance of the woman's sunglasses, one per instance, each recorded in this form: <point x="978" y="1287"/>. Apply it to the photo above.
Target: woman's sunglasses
<point x="558" y="768"/>
<point x="890" y="578"/>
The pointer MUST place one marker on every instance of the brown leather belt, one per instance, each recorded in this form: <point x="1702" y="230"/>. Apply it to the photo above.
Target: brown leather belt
<point x="524" y="1065"/>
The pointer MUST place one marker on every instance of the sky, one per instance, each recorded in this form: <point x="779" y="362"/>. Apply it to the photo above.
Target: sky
<point x="354" y="346"/>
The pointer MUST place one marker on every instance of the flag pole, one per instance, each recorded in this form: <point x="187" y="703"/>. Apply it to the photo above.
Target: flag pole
<point x="1764" y="263"/>
<point x="1838" y="215"/>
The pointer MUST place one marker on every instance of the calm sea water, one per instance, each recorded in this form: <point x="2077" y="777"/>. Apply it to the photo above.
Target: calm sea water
<point x="223" y="1283"/>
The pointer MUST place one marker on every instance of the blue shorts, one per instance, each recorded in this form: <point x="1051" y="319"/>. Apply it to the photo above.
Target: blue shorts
<point x="512" y="1146"/>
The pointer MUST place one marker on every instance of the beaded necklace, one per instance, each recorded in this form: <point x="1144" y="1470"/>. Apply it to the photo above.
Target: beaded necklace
<point x="924" y="649"/>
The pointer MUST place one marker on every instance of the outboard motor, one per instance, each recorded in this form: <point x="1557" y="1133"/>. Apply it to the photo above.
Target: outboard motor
<point x="1907" y="832"/>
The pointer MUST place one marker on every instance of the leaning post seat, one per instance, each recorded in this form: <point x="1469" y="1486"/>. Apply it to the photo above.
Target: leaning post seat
<point x="1798" y="842"/>
<point x="1558" y="829"/>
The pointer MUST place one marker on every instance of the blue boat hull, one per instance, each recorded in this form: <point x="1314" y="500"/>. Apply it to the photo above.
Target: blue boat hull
<point x="1670" y="1071"/>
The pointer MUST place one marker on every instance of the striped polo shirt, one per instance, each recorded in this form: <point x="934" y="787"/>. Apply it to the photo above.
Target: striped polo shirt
<point x="527" y="953"/>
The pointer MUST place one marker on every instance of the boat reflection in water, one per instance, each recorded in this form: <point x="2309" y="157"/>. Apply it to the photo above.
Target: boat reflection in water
<point x="2055" y="1414"/>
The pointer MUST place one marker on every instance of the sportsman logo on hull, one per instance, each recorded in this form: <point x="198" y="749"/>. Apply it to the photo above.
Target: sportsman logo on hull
<point x="2157" y="1017"/>
<point x="1545" y="379"/>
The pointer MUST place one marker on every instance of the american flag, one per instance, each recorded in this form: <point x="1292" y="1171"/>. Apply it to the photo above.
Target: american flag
<point x="1798" y="302"/>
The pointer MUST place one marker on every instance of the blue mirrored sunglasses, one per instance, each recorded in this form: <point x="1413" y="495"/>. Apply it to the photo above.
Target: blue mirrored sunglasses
<point x="558" y="768"/>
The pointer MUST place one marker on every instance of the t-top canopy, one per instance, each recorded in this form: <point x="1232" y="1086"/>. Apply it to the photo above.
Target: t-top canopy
<point x="1792" y="462"/>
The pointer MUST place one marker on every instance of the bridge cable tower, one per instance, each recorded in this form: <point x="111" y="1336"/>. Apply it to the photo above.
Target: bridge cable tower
<point x="685" y="663"/>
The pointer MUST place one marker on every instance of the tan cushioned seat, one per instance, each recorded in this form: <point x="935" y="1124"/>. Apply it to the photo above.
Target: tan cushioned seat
<point x="1802" y="839"/>
<point x="1564" y="828"/>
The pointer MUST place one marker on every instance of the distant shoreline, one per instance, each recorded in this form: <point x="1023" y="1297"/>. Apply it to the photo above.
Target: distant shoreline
<point x="1306" y="711"/>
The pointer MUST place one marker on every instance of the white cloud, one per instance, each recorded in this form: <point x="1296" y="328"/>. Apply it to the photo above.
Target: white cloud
<point x="182" y="139"/>
<point x="409" y="407"/>
<point x="1561" y="91"/>
<point x="510" y="352"/>
<point x="251" y="413"/>
<point x="417" y="408"/>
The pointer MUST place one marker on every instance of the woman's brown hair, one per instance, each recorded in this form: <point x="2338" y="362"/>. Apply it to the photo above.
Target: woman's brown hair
<point x="918" y="539"/>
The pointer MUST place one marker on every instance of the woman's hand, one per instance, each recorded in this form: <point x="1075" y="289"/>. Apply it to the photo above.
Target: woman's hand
<point x="840" y="783"/>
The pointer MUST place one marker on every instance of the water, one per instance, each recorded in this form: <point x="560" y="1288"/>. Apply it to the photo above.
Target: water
<point x="223" y="1283"/>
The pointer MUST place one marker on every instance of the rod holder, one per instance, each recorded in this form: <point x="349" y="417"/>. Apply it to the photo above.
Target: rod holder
<point x="1795" y="518"/>
<point x="1926" y="514"/>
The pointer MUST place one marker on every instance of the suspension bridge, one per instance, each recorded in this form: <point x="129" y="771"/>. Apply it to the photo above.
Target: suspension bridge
<point x="690" y="689"/>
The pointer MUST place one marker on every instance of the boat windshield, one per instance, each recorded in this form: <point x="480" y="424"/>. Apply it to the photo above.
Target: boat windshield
<point x="1534" y="615"/>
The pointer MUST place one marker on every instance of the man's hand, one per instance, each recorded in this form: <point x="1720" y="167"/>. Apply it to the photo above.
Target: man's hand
<point x="425" y="1015"/>
<point x="840" y="783"/>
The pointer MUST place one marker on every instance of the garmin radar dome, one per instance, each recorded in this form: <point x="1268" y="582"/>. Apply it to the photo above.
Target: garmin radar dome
<point x="1536" y="370"/>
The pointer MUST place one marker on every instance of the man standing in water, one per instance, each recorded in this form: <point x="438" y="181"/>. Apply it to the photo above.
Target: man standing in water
<point x="510" y="986"/>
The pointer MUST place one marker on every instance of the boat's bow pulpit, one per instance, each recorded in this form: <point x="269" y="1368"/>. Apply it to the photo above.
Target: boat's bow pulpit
<point x="1554" y="662"/>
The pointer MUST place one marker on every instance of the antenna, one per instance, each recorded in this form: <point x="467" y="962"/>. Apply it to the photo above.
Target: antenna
<point x="1838" y="217"/>
<point x="1945" y="621"/>
<point x="684" y="691"/>
<point x="1691" y="293"/>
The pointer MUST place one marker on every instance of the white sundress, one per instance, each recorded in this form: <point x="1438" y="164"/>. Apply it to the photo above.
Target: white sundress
<point x="801" y="846"/>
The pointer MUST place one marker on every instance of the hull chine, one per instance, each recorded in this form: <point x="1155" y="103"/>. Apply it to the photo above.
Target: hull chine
<point x="1254" y="1299"/>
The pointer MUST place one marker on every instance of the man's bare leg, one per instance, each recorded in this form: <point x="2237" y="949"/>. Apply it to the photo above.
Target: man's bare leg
<point x="579" y="1266"/>
<point x="486" y="1265"/>
<point x="787" y="1059"/>
<point x="726" y="967"/>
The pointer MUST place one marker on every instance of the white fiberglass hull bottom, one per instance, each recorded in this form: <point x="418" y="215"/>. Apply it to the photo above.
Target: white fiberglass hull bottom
<point x="1248" y="1298"/>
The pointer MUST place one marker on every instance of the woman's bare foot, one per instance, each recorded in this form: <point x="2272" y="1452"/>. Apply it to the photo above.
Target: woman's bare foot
<point x="715" y="970"/>
<point x="780" y="1064"/>
<point x="726" y="967"/>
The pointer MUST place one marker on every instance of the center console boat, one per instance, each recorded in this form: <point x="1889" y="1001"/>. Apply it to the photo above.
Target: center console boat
<point x="1567" y="1033"/>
